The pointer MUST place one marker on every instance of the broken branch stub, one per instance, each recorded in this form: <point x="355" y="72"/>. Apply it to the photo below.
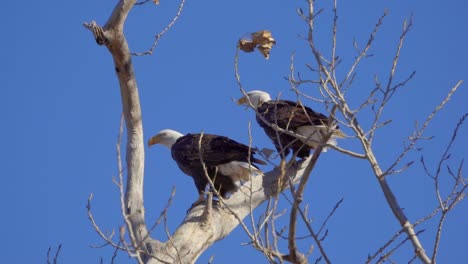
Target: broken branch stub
<point x="262" y="40"/>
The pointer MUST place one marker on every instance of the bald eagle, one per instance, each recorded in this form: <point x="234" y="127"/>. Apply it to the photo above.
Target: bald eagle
<point x="294" y="117"/>
<point x="227" y="162"/>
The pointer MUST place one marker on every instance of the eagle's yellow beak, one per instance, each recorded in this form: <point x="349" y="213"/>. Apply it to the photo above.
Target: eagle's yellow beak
<point x="243" y="100"/>
<point x="154" y="140"/>
<point x="339" y="134"/>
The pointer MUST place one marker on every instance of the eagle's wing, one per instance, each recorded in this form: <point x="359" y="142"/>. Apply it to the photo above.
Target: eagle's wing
<point x="216" y="150"/>
<point x="221" y="150"/>
<point x="290" y="115"/>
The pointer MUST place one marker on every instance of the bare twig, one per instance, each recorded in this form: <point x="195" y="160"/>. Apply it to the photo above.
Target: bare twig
<point x="252" y="219"/>
<point x="164" y="31"/>
<point x="418" y="134"/>
<point x="114" y="255"/>
<point x="164" y="211"/>
<point x="445" y="205"/>
<point x="382" y="248"/>
<point x="390" y="89"/>
<point x="335" y="208"/>
<point x="401" y="231"/>
<point x="363" y="53"/>
<point x="458" y="189"/>
<point x="315" y="236"/>
<point x="107" y="238"/>
<point x="387" y="255"/>
<point x="171" y="242"/>
<point x="57" y="252"/>
<point x="141" y="2"/>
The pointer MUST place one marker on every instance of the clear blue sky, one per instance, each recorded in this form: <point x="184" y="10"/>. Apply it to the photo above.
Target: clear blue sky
<point x="61" y="110"/>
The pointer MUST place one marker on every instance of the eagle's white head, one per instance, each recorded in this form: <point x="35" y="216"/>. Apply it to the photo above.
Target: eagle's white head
<point x="166" y="137"/>
<point x="255" y="97"/>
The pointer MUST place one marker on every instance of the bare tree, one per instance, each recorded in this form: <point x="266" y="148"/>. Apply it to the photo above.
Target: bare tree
<point x="203" y="225"/>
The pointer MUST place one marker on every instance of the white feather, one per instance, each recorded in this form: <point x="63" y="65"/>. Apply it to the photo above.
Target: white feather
<point x="239" y="170"/>
<point x="315" y="135"/>
<point x="256" y="97"/>
<point x="165" y="137"/>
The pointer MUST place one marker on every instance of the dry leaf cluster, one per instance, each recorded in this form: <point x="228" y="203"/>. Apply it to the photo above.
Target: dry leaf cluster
<point x="262" y="40"/>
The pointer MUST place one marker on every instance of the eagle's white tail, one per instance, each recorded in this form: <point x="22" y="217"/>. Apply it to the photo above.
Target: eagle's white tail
<point x="239" y="170"/>
<point x="315" y="135"/>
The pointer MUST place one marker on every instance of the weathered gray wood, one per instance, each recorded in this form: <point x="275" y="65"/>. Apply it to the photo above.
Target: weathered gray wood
<point x="194" y="235"/>
<point x="113" y="37"/>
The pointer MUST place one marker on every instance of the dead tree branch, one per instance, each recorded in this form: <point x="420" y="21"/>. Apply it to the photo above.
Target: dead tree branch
<point x="334" y="91"/>
<point x="113" y="37"/>
<point x="191" y="238"/>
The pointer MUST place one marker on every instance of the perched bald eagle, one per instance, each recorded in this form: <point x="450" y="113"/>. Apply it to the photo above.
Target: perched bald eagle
<point x="294" y="117"/>
<point x="226" y="161"/>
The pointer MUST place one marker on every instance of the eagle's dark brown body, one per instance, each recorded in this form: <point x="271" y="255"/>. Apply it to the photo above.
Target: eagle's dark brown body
<point x="215" y="151"/>
<point x="288" y="115"/>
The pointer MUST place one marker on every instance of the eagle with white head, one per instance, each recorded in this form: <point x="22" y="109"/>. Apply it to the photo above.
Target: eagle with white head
<point x="227" y="162"/>
<point x="312" y="126"/>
